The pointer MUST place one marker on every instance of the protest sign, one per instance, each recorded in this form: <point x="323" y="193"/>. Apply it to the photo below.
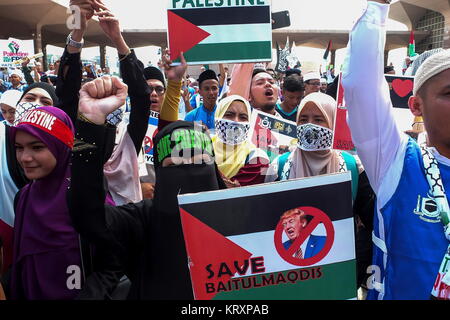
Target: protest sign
<point x="241" y="243"/>
<point x="401" y="89"/>
<point x="342" y="138"/>
<point x="224" y="31"/>
<point x="12" y="51"/>
<point x="151" y="133"/>
<point x="271" y="134"/>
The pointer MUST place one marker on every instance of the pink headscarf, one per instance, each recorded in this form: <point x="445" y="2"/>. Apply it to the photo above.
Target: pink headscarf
<point x="122" y="172"/>
<point x="313" y="163"/>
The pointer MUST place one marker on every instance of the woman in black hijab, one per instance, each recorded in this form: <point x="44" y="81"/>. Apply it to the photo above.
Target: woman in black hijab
<point x="146" y="237"/>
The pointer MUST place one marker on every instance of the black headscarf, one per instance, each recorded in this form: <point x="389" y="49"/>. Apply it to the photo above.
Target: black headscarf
<point x="183" y="138"/>
<point x="45" y="86"/>
<point x="168" y="249"/>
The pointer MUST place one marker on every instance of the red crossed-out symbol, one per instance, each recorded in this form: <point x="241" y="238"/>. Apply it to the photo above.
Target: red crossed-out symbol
<point x="318" y="217"/>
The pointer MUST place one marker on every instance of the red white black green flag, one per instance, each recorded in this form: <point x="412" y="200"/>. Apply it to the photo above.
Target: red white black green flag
<point x="286" y="240"/>
<point x="220" y="31"/>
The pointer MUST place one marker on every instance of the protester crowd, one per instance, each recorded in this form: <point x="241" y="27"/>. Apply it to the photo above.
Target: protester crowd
<point x="83" y="217"/>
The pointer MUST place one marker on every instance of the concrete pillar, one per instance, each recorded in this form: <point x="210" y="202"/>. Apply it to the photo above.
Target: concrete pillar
<point x="44" y="58"/>
<point x="102" y="56"/>
<point x="38" y="39"/>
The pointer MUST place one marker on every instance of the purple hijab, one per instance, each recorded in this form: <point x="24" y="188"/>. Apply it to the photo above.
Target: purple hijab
<point x="46" y="246"/>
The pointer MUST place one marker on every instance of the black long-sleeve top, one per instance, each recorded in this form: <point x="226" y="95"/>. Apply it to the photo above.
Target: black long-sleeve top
<point x="137" y="232"/>
<point x="132" y="72"/>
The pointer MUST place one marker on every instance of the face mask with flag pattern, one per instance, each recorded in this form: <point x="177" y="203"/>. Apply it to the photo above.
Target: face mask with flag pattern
<point x="232" y="132"/>
<point x="312" y="137"/>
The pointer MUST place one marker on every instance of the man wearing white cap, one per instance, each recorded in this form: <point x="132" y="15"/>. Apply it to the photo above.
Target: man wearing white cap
<point x="411" y="227"/>
<point x="15" y="81"/>
<point x="8" y="102"/>
<point x="312" y="82"/>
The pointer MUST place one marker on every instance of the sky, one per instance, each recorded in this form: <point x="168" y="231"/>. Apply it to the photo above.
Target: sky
<point x="305" y="14"/>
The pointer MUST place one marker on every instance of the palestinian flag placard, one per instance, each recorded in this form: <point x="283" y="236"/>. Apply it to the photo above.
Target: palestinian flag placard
<point x="271" y="134"/>
<point x="290" y="240"/>
<point x="220" y="31"/>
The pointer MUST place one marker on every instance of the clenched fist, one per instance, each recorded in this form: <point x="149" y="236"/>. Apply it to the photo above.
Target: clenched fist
<point x="101" y="97"/>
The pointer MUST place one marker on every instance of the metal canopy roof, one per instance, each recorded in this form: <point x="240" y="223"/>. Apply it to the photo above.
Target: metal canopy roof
<point x="19" y="19"/>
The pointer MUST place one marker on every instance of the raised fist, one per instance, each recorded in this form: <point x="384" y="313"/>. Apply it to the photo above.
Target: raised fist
<point x="101" y="97"/>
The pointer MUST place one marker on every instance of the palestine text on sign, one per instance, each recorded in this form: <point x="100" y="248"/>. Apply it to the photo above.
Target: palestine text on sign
<point x="220" y="31"/>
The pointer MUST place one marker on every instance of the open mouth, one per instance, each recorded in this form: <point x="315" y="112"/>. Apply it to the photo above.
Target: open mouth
<point x="269" y="93"/>
<point x="290" y="232"/>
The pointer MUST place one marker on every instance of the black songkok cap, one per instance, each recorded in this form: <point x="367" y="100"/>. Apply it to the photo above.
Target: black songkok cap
<point x="154" y="73"/>
<point x="207" y="75"/>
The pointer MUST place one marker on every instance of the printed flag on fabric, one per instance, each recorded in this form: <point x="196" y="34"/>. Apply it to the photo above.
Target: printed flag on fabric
<point x="271" y="134"/>
<point x="242" y="244"/>
<point x="221" y="31"/>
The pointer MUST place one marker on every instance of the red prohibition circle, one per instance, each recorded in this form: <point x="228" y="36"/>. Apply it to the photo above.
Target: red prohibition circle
<point x="318" y="217"/>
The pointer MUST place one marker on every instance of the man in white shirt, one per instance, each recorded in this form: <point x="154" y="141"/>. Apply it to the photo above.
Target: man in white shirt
<point x="408" y="236"/>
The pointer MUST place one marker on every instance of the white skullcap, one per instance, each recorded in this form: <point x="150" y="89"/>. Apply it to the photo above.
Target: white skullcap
<point x="16" y="72"/>
<point x="11" y="98"/>
<point x="323" y="81"/>
<point x="311" y="75"/>
<point x="430" y="68"/>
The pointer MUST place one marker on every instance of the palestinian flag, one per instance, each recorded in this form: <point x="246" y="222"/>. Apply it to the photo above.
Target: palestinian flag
<point x="236" y="243"/>
<point x="327" y="51"/>
<point x="412" y="45"/>
<point x="342" y="138"/>
<point x="222" y="34"/>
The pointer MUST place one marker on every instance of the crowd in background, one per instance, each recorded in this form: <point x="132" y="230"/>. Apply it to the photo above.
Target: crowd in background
<point x="77" y="197"/>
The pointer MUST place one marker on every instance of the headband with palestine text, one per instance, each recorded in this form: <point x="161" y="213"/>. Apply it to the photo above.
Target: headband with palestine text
<point x="50" y="124"/>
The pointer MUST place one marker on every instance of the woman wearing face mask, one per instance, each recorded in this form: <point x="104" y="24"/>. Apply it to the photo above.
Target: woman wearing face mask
<point x="43" y="141"/>
<point x="12" y="177"/>
<point x="314" y="156"/>
<point x="240" y="162"/>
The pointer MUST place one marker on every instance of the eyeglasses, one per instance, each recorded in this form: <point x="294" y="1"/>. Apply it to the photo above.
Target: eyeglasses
<point x="159" y="90"/>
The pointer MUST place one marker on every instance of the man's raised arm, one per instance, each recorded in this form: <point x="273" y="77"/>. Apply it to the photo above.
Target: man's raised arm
<point x="374" y="131"/>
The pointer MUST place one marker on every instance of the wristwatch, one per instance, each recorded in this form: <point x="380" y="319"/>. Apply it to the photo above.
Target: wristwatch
<point x="74" y="43"/>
